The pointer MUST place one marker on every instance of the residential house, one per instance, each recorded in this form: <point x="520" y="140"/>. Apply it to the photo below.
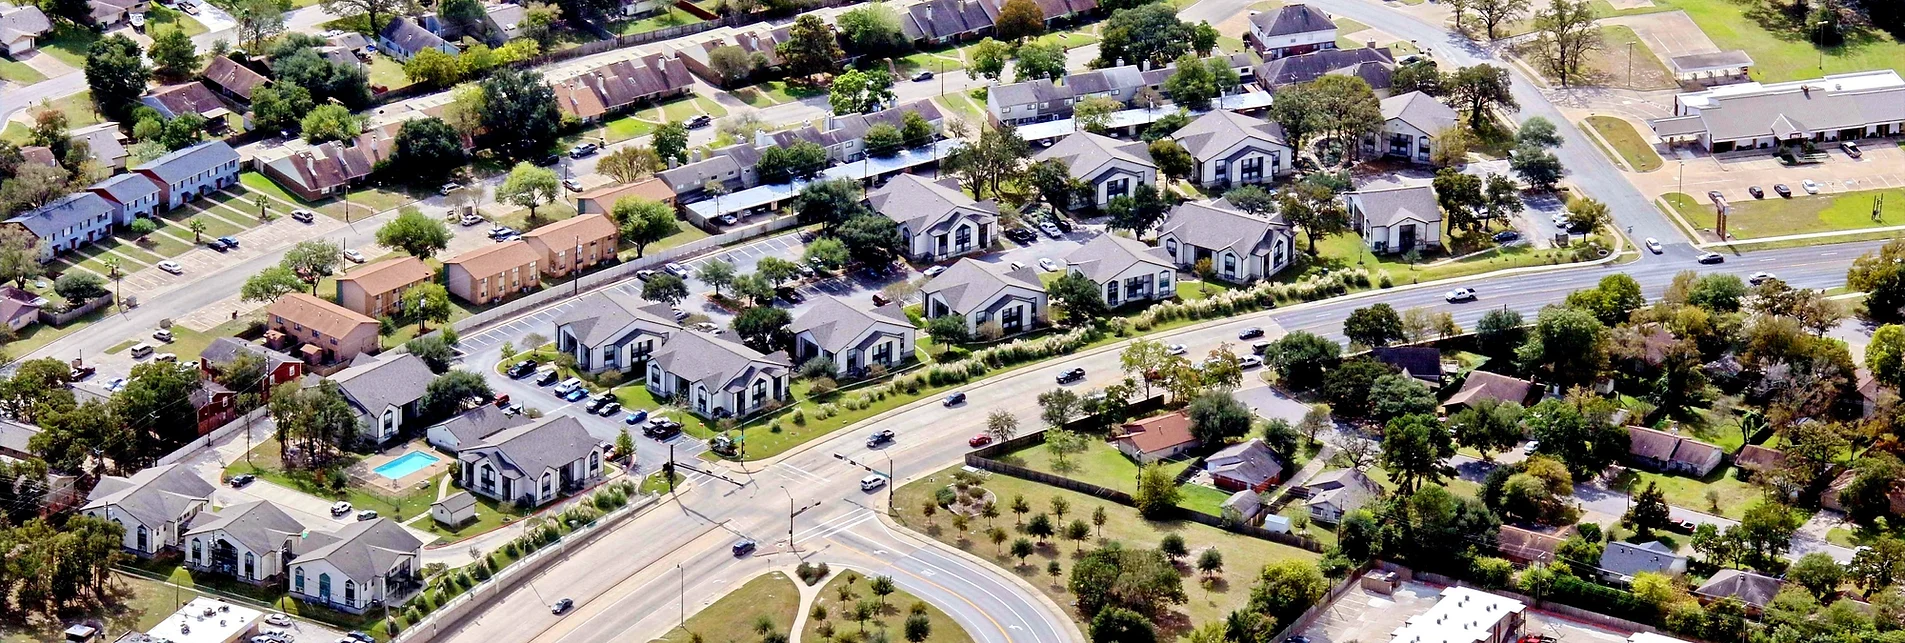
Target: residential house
<point x="1483" y="385"/>
<point x="1396" y="219"/>
<point x="1234" y="149"/>
<point x="1241" y="247"/>
<point x="376" y="290"/>
<point x="1526" y="546"/>
<point x="1120" y="83"/>
<point x="318" y="171"/>
<point x="1620" y="561"/>
<point x="1241" y="508"/>
<point x="1759" y="459"/>
<point x="472" y="427"/>
<point x="1753" y="115"/>
<point x="454" y="511"/>
<point x="372" y="562"/>
<point x="318" y="331"/>
<point x="154" y="505"/>
<point x="534" y="464"/>
<point x="1464" y="615"/>
<point x="1156" y="438"/>
<point x="67" y="223"/>
<point x="384" y="392"/>
<point x="503" y="21"/>
<point x="1410" y="124"/>
<point x="108" y="14"/>
<point x="620" y="84"/>
<point x="844" y="136"/>
<point x="602" y="200"/>
<point x="403" y="38"/>
<point x="1113" y="168"/>
<point x="196" y="171"/>
<point x="1755" y="590"/>
<point x="1246" y="466"/>
<point x="1291" y="30"/>
<point x="279" y="367"/>
<point x="39" y="155"/>
<point x="173" y="101"/>
<point x="1375" y="65"/>
<point x="936" y="219"/>
<point x="1420" y="362"/>
<point x="759" y="43"/>
<point x="106" y="143"/>
<point x="19" y="308"/>
<point x="1333" y="494"/>
<point x="717" y="377"/>
<point x="213" y="405"/>
<point x="938" y="22"/>
<point x="350" y="41"/>
<point x="574" y="244"/>
<point x="248" y="542"/>
<point x="1060" y="10"/>
<point x="692" y="179"/>
<point x="853" y="337"/>
<point x="606" y="332"/>
<point x="983" y="292"/>
<point x="1125" y="270"/>
<point x="21" y="27"/>
<point x="16" y="439"/>
<point x="132" y="195"/>
<point x="1032" y="101"/>
<point x="232" y="80"/>
<point x="1663" y="451"/>
<point x="493" y="272"/>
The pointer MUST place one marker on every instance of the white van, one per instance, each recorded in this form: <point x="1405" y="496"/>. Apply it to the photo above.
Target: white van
<point x="141" y="350"/>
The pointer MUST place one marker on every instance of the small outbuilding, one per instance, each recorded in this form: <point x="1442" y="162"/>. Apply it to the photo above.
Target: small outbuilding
<point x="454" y="511"/>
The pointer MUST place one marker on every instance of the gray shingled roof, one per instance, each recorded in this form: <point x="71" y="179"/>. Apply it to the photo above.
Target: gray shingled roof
<point x="1389" y="206"/>
<point x="597" y="317"/>
<point x="368" y="549"/>
<point x="65" y="212"/>
<point x="1753" y="589"/>
<point x="1304" y="68"/>
<point x="528" y="450"/>
<point x="394" y="380"/>
<point x="186" y="163"/>
<point x="716" y="363"/>
<point x="128" y="187"/>
<point x="1779" y="112"/>
<point x="472" y="426"/>
<point x="1420" y="111"/>
<point x="260" y="526"/>
<point x="1108" y="255"/>
<point x="1292" y="19"/>
<point x="1629" y="559"/>
<point x="1084" y="153"/>
<point x="1251" y="462"/>
<point x="1031" y="91"/>
<point x="153" y="496"/>
<point x="410" y="37"/>
<point x="14" y="436"/>
<point x="224" y="349"/>
<point x="967" y="285"/>
<point x="834" y="323"/>
<point x="457" y="501"/>
<point x="1110" y="79"/>
<point x="1217" y="130"/>
<point x="1216" y="225"/>
<point x="692" y="175"/>
<point x="922" y="204"/>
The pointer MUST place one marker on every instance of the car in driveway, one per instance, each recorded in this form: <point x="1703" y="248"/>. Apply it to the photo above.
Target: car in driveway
<point x="1459" y="295"/>
<point x="1252" y="332"/>
<point x="1654" y="245"/>
<point x="1782" y="190"/>
<point x="1711" y="257"/>
<point x="172" y="267"/>
<point x="1760" y="278"/>
<point x="880" y="437"/>
<point x="1811" y="186"/>
<point x="1851" y="149"/>
<point x="1048" y="264"/>
<point x="1756" y="192"/>
<point x="367" y="514"/>
<point x="241" y="480"/>
<point x="1072" y="375"/>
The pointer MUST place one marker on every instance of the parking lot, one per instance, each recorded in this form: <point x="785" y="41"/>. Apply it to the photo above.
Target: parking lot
<point x="1362" y="615"/>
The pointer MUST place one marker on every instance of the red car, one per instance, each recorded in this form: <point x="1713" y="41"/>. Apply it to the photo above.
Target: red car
<point x="979" y="440"/>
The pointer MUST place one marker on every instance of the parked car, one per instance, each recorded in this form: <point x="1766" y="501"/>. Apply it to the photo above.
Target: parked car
<point x="1654" y="245"/>
<point x="1756" y="192"/>
<point x="1260" y="348"/>
<point x="340" y="508"/>
<point x="872" y="481"/>
<point x="546" y="375"/>
<point x="1050" y="229"/>
<point x="610" y="409"/>
<point x="1070" y="376"/>
<point x="635" y="417"/>
<point x="279" y="620"/>
<point x="138" y="22"/>
<point x="727" y="219"/>
<point x="353" y="256"/>
<point x="162" y="335"/>
<point x="880" y="437"/>
<point x="1711" y="257"/>
<point x="1759" y="278"/>
<point x="1811" y="186"/>
<point x="1048" y="264"/>
<point x="242" y="480"/>
<point x="979" y="440"/>
<point x="596" y="405"/>
<point x="449" y="187"/>
<point x="934" y="271"/>
<point x="575" y="395"/>
<point x="303" y="216"/>
<point x="562" y="605"/>
<point x="1851" y="149"/>
<point x="790" y="295"/>
<point x="172" y="267"/>
<point x="1506" y="236"/>
<point x="1252" y="332"/>
<point x="1459" y="295"/>
<point x="583" y="150"/>
<point x="367" y="514"/>
<point x="360" y="637"/>
<point x="1021" y="235"/>
<point x="567" y="385"/>
<point x="1715" y="196"/>
<point x="522" y="369"/>
<point x="880" y="299"/>
<point x="1250" y="361"/>
<point x="1782" y="190"/>
<point x="644" y="275"/>
<point x="742" y="548"/>
<point x="955" y="399"/>
<point x="217" y="244"/>
<point x="677" y="270"/>
<point x="701" y="121"/>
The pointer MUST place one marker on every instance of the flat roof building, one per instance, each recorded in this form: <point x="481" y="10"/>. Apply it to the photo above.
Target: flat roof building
<point x="1464" y="615"/>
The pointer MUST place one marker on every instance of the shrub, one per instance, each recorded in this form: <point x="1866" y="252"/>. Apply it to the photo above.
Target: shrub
<point x="822" y="386"/>
<point x="945" y="496"/>
<point x="800" y="417"/>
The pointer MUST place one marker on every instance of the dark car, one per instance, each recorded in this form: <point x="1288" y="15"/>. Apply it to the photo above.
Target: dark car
<point x="360" y="636"/>
<point x="550" y="376"/>
<point x="1506" y="236"/>
<point x="789" y="295"/>
<point x="701" y="121"/>
<point x="1070" y="376"/>
<point x="880" y="437"/>
<point x="242" y="480"/>
<point x="522" y="369"/>
<point x="1021" y="235"/>
<point x="562" y="605"/>
<point x="1712" y="257"/>
<point x="1260" y="348"/>
<point x="742" y="548"/>
<point x="1756" y="192"/>
<point x="1682" y="526"/>
<point x="956" y="399"/>
<point x="610" y="409"/>
<point x="644" y="275"/>
<point x="1250" y="333"/>
<point x="922" y="76"/>
<point x="1783" y="190"/>
<point x="218" y="244"/>
<point x="600" y="401"/>
<point x="661" y="428"/>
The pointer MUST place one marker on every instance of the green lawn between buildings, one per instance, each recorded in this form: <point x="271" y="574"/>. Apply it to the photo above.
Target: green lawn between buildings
<point x="1634" y="150"/>
<point x="1774" y="216"/>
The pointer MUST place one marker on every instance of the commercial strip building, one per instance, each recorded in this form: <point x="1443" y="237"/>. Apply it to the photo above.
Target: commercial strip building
<point x="1758" y="116"/>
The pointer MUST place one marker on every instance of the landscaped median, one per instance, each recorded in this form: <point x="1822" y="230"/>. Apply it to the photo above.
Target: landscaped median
<point x="1822" y="214"/>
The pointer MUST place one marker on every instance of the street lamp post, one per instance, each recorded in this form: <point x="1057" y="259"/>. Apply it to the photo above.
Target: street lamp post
<point x="790" y="518"/>
<point x="892" y="484"/>
<point x="1821" y="29"/>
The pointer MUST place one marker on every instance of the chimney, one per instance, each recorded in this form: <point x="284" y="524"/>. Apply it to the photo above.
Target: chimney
<point x="673" y="163"/>
<point x="694" y="155"/>
<point x="1370" y="44"/>
<point x="1144" y="65"/>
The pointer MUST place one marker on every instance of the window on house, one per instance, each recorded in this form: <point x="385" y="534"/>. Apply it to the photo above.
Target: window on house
<point x="1230" y="264"/>
<point x="297" y="580"/>
<point x="197" y="555"/>
<point x="350" y="592"/>
<point x="250" y="566"/>
<point x="1170" y="246"/>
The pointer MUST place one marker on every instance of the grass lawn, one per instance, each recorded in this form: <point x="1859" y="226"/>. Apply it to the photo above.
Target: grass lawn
<point x="671" y="17"/>
<point x="1101" y="464"/>
<point x="731" y="619"/>
<point x="681" y="109"/>
<point x="1347" y="251"/>
<point x="490" y="515"/>
<point x="263" y="461"/>
<point x="1774" y="216"/>
<point x="1207" y="601"/>
<point x="19" y="72"/>
<point x="139" y="604"/>
<point x="69" y="43"/>
<point x="159" y="18"/>
<point x="775" y="92"/>
<point x="77" y="107"/>
<point x="387" y="73"/>
<point x="1634" y="150"/>
<point x="1069" y="39"/>
<point x="1345" y="27"/>
<point x="1691" y="493"/>
<point x="34" y="337"/>
<point x="363" y="202"/>
<point x="687" y="234"/>
<point x="1202" y="499"/>
<point x="1782" y="48"/>
<point x="963" y="105"/>
<point x="625" y="128"/>
<point x="710" y="107"/>
<point x="1195" y="290"/>
<point x="892" y="617"/>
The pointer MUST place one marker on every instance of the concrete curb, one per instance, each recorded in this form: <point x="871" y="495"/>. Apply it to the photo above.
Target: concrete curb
<point x="903" y="531"/>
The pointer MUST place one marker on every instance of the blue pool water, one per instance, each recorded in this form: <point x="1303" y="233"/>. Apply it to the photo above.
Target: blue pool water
<point x="406" y="464"/>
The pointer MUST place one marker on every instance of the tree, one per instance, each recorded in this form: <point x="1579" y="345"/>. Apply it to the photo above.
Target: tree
<point x="529" y="186"/>
<point x="1157" y="492"/>
<point x="988" y="58"/>
<point x="1881" y="275"/>
<point x="80" y="286"/>
<point x="1039" y="60"/>
<point x="1588" y="215"/>
<point x="873" y="30"/>
<point x="1649" y="511"/>
<point x="918" y="628"/>
<point x="1413" y="450"/>
<point x="1537" y="167"/>
<point x="1374" y="326"/>
<point x="149" y="402"/>
<point x="1210" y="562"/>
<point x="1217" y="416"/>
<point x="883" y="140"/>
<point x="784" y="164"/>
<point x="1057" y="406"/>
<point x="1018" y="20"/>
<point x="1878" y="565"/>
<point x="1581" y="436"/>
<point x="1301" y="358"/>
<point x="520" y="119"/>
<point x="116" y="74"/>
<point x="732" y="64"/>
<point x="1120" y="625"/>
<point x="1481" y="89"/>
<point x="1311" y="206"/>
<point x="1767" y="529"/>
<point x="1150" y="33"/>
<point x="448" y="391"/>
<point x="74" y="11"/>
<point x="19" y="256"/>
<point x="1495" y="13"/>
<point x="313" y="260"/>
<point x="1080" y="297"/>
<point x="428" y="148"/>
<point x="1172" y="159"/>
<point x="1566" y="33"/>
<point x="630" y="164"/>
<point x="270" y="284"/>
<point x="1537" y="130"/>
<point x="173" y="54"/>
<point x="1118" y="577"/>
<point x="1093" y="114"/>
<point x="1569" y="346"/>
<point x="1196" y="82"/>
<point x="1286" y="588"/>
<point x="370" y="9"/>
<point x="330" y="122"/>
<point x="764" y="328"/>
<point x="1421" y="76"/>
<point x="1487" y="425"/>
<point x="419" y="235"/>
<point x="665" y="288"/>
<point x="717" y="273"/>
<point x="830" y="203"/>
<point x="870" y="238"/>
<point x="1001" y="425"/>
<point x="810" y="48"/>
<point x="295" y="61"/>
<point x="982" y="166"/>
<point x="467" y="14"/>
<point x="433" y="68"/>
<point x="1335" y="107"/>
<point x="1818" y="573"/>
<point x="427" y="302"/>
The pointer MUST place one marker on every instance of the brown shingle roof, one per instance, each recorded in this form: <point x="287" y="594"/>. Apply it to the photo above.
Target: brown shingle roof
<point x="1651" y="444"/>
<point x="1158" y="433"/>
<point x="489" y="260"/>
<point x="652" y="188"/>
<point x="1532" y="546"/>
<point x="235" y="78"/>
<point x="1759" y="458"/>
<point x="587" y="227"/>
<point x="388" y="275"/>
<point x="311" y="312"/>
<point x="1482" y="385"/>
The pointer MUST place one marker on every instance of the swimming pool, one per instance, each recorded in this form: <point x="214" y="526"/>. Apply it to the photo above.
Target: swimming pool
<point x="406" y="464"/>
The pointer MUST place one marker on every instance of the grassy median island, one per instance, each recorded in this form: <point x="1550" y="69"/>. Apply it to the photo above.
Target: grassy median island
<point x="733" y="619"/>
<point x="1634" y="150"/>
<point x="831" y="617"/>
<point x="1774" y="216"/>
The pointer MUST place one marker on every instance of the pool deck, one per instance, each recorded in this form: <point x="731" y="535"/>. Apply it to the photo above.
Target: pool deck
<point x="365" y="470"/>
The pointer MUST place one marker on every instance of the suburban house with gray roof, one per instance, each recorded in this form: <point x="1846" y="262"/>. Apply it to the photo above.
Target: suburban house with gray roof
<point x="851" y="337"/>
<point x="717" y="377"/>
<point x="1245" y="466"/>
<point x="133" y="195"/>
<point x="385" y="392"/>
<point x="1241" y="247"/>
<point x="1753" y="115"/>
<point x="1670" y="452"/>
<point x="106" y="143"/>
<point x="1621" y="561"/>
<point x="604" y="332"/>
<point x="1755" y="590"/>
<point x="1234" y="149"/>
<point x="1333" y="494"/>
<point x="1410" y="124"/>
<point x="192" y="172"/>
<point x="154" y="505"/>
<point x="1396" y="219"/>
<point x="369" y="563"/>
<point x="472" y="427"/>
<point x="983" y="292"/>
<point x="1125" y="270"/>
<point x="67" y="223"/>
<point x="1119" y="83"/>
<point x="1032" y="101"/>
<point x="1375" y="65"/>
<point x="533" y="464"/>
<point x="943" y="21"/>
<point x="1113" y="168"/>
<point x="249" y="542"/>
<point x="403" y="38"/>
<point x="937" y="220"/>
<point x="21" y="27"/>
<point x="1291" y="30"/>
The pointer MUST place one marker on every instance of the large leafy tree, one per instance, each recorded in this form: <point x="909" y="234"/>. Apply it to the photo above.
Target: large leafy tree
<point x="784" y="164"/>
<point x="529" y="186"/>
<point x="1488" y="425"/>
<point x="329" y="122"/>
<point x="982" y="166"/>
<point x="1140" y="580"/>
<point x="1568" y="346"/>
<point x="830" y="203"/>
<point x="1374" y="326"/>
<point x="1217" y="416"/>
<point x="149" y="402"/>
<point x="1287" y="588"/>
<point x="1580" y="433"/>
<point x="1881" y="275"/>
<point x="870" y="238"/>
<point x="810" y="48"/>
<point x="1301" y="358"/>
<point x="1150" y="33"/>
<point x="173" y="54"/>
<point x="19" y="256"/>
<point x="375" y="12"/>
<point x="873" y="30"/>
<point x="1197" y="81"/>
<point x="269" y="284"/>
<point x="1312" y="206"/>
<point x="643" y="222"/>
<point x="1039" y="60"/>
<point x="1565" y="33"/>
<point x="415" y="233"/>
<point x="280" y="107"/>
<point x="764" y="328"/>
<point x="296" y="61"/>
<point x="116" y="73"/>
<point x="1020" y="19"/>
<point x="1481" y="89"/>
<point x="1081" y="298"/>
<point x="428" y="149"/>
<point x="520" y="117"/>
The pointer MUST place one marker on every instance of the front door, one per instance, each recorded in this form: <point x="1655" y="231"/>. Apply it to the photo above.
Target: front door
<point x="1408" y="242"/>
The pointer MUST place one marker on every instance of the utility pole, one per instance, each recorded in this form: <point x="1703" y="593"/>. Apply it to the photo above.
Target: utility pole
<point x="683" y="600"/>
<point x="1630" y="65"/>
<point x="889" y="475"/>
<point x="790" y="517"/>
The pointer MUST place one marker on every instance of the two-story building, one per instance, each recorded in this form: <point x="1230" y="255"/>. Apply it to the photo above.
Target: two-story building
<point x="606" y="332"/>
<point x="1396" y="219"/>
<point x="385" y="392"/>
<point x="1032" y="101"/>
<point x="279" y="367"/>
<point x="192" y="172"/>
<point x="67" y="223"/>
<point x="534" y="464"/>
<point x="983" y="292"/>
<point x="370" y="562"/>
<point x="376" y="290"/>
<point x="1125" y="270"/>
<point x="576" y="243"/>
<point x="154" y="505"/>
<point x="717" y="378"/>
<point x="1234" y="149"/>
<point x="132" y="195"/>
<point x="1240" y="246"/>
<point x="852" y="337"/>
<point x="1111" y="167"/>
<point x="403" y="38"/>
<point x="249" y="542"/>
<point x="318" y="331"/>
<point x="1410" y="124"/>
<point x="937" y="220"/>
<point x="493" y="272"/>
<point x="1290" y="30"/>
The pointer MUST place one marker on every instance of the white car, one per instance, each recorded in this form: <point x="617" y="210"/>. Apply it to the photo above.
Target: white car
<point x="1459" y="294"/>
<point x="872" y="481"/>
<point x="1759" y="278"/>
<point x="1048" y="264"/>
<point x="1531" y="447"/>
<point x="1178" y="349"/>
<point x="172" y="267"/>
<point x="1017" y="265"/>
<point x="1049" y="229"/>
<point x="353" y="255"/>
<point x="935" y="270"/>
<point x="341" y="508"/>
<point x="1250" y="361"/>
<point x="1812" y="187"/>
<point x="1654" y="245"/>
<point x="279" y="620"/>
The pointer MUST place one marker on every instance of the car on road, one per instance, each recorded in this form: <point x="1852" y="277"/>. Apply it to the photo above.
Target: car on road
<point x="1756" y="192"/>
<point x="583" y="150"/>
<point x="172" y="267"/>
<point x="1250" y="361"/>
<point x="562" y="605"/>
<point x="1711" y="257"/>
<point x="1760" y="278"/>
<point x="1782" y="190"/>
<point x="979" y="440"/>
<point x="1811" y="186"/>
<point x="635" y="417"/>
<point x="1715" y="196"/>
<point x="242" y="480"/>
<point x="742" y="548"/>
<point x="957" y="398"/>
<point x="1048" y="264"/>
<point x="872" y="481"/>
<point x="522" y="369"/>
<point x="922" y="76"/>
<point x="367" y="514"/>
<point x="1851" y="149"/>
<point x="340" y="508"/>
<point x="1072" y="375"/>
<point x="449" y="187"/>
<point x="1459" y="295"/>
<point x="1506" y="236"/>
<point x="934" y="271"/>
<point x="549" y="159"/>
<point x="1176" y="349"/>
<point x="1260" y="348"/>
<point x="1049" y="229"/>
<point x="1252" y="332"/>
<point x="1654" y="246"/>
<point x="879" y="437"/>
<point x="677" y="270"/>
<point x="572" y="184"/>
<point x="701" y="121"/>
<point x="303" y="216"/>
<point x="353" y="256"/>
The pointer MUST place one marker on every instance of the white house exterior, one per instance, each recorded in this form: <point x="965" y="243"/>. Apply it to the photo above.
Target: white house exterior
<point x="1396" y="219"/>
<point x="1241" y="247"/>
<point x="1291" y="30"/>
<point x="472" y="427"/>
<point x="1126" y="270"/>
<point x="604" y="332"/>
<point x="370" y="562"/>
<point x="982" y="292"/>
<point x="67" y="223"/>
<point x="133" y="195"/>
<point x="1753" y="115"/>
<point x="1234" y="149"/>
<point x="534" y="464"/>
<point x="853" y="338"/>
<point x="251" y="542"/>
<point x="1410" y="124"/>
<point x="154" y="506"/>
<point x="385" y="392"/>
<point x="1112" y="167"/>
<point x="192" y="172"/>
<point x="717" y="377"/>
<point x="937" y="220"/>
